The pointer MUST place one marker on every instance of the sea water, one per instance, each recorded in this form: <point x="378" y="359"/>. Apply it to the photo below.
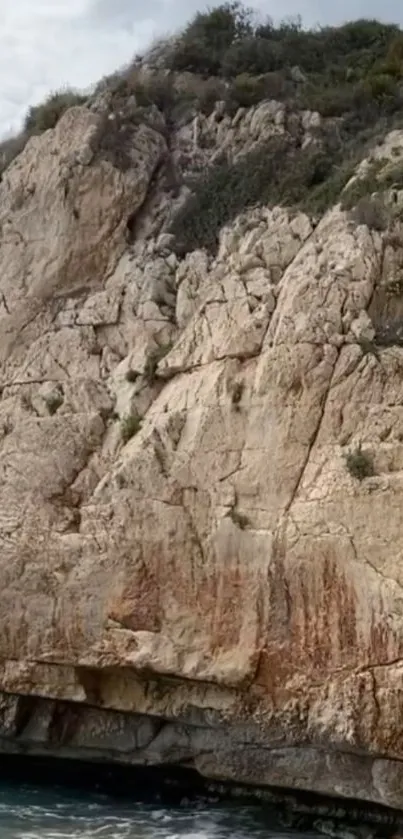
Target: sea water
<point x="29" y="811"/>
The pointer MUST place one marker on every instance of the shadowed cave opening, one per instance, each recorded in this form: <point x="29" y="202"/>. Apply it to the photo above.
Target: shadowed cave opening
<point x="175" y="786"/>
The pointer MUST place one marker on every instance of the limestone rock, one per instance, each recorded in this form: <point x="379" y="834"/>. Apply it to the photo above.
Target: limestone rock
<point x="184" y="531"/>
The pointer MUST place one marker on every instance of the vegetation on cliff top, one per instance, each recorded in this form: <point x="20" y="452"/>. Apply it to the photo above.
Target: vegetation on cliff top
<point x="352" y="75"/>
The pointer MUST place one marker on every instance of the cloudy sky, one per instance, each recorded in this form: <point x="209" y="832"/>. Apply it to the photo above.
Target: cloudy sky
<point x="46" y="44"/>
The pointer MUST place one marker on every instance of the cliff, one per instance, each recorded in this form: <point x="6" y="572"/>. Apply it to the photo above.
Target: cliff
<point x="201" y="450"/>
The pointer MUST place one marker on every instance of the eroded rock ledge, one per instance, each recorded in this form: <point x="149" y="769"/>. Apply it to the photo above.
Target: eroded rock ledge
<point x="205" y="740"/>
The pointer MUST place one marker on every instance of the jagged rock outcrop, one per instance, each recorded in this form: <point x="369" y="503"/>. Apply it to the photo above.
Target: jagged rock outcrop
<point x="191" y="571"/>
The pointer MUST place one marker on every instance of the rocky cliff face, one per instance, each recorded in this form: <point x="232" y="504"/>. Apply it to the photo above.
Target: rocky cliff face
<point x="202" y="464"/>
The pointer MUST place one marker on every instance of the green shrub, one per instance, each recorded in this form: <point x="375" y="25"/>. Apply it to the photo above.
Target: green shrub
<point x="274" y="172"/>
<point x="325" y="194"/>
<point x="253" y="55"/>
<point x="227" y="41"/>
<point x="360" y="464"/>
<point x="38" y="119"/>
<point x="208" y="36"/>
<point x="239" y="519"/>
<point x="54" y="401"/>
<point x="329" y="100"/>
<point x="113" y="139"/>
<point x="236" y="394"/>
<point x="224" y="191"/>
<point x="129" y="426"/>
<point x="47" y="114"/>
<point x="131" y="376"/>
<point x="156" y="88"/>
<point x="369" y="347"/>
<point x="204" y="93"/>
<point x="380" y="86"/>
<point x="247" y="90"/>
<point x="10" y="148"/>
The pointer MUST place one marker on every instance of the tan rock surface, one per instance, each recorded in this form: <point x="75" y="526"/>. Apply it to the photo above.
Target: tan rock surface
<point x="221" y="569"/>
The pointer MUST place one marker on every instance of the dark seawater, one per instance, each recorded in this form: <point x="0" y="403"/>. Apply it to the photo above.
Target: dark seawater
<point x="29" y="811"/>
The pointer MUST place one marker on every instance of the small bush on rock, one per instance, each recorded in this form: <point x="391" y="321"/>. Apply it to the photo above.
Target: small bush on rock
<point x="10" y="148"/>
<point x="54" y="401"/>
<point x="239" y="519"/>
<point x="247" y="90"/>
<point x="131" y="376"/>
<point x="39" y="118"/>
<point x="274" y="172"/>
<point x="154" y="88"/>
<point x="369" y="347"/>
<point x="236" y="394"/>
<point x="130" y="425"/>
<point x="44" y="116"/>
<point x="360" y="464"/>
<point x="328" y="192"/>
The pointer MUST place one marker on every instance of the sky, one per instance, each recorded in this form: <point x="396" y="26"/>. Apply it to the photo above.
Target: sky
<point x="49" y="44"/>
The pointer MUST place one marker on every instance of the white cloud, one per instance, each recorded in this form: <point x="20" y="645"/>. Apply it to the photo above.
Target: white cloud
<point x="47" y="44"/>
